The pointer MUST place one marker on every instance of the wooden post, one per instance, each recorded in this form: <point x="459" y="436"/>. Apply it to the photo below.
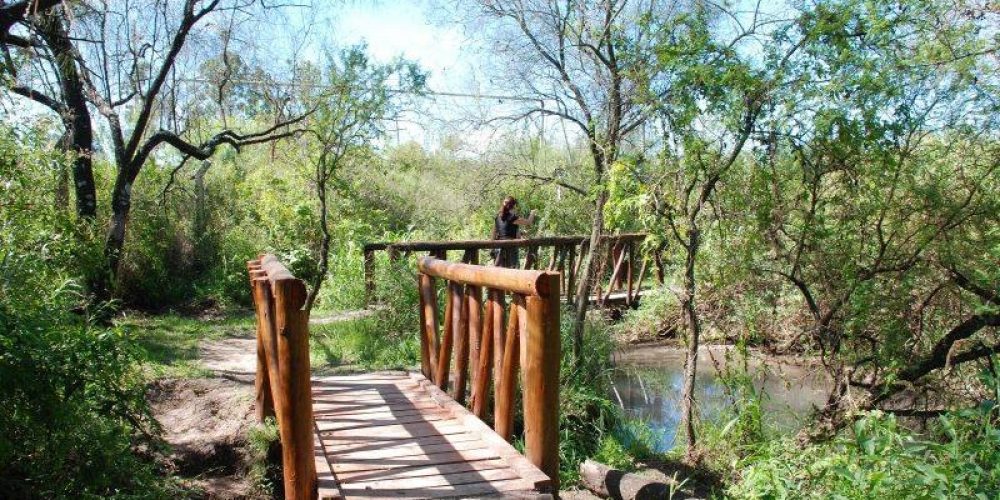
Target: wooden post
<point x="264" y="303"/>
<point x="429" y="326"/>
<point x="263" y="401"/>
<point x="628" y="273"/>
<point x="571" y="268"/>
<point x="531" y="259"/>
<point x="484" y="365"/>
<point x="369" y="276"/>
<point x="461" y="332"/>
<point x="474" y="302"/>
<point x="295" y="407"/>
<point x="498" y="332"/>
<point x="642" y="276"/>
<point x="444" y="352"/>
<point x="541" y="381"/>
<point x="507" y="376"/>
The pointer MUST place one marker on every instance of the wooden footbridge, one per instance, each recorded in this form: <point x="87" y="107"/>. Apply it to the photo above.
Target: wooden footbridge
<point x="621" y="264"/>
<point x="426" y="434"/>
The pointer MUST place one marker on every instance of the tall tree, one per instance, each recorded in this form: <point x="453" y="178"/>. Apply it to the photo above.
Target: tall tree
<point x="134" y="77"/>
<point x="358" y="98"/>
<point x="584" y="62"/>
<point x="46" y="49"/>
<point x="882" y="180"/>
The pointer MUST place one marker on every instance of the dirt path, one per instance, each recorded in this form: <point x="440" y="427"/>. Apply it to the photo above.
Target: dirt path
<point x="234" y="357"/>
<point x="206" y="420"/>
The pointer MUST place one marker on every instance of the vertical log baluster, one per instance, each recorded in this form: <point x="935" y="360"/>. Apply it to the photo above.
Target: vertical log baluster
<point x="616" y="273"/>
<point x="292" y="326"/>
<point x="267" y="363"/>
<point x="264" y="401"/>
<point x="461" y="332"/>
<point x="484" y="366"/>
<point x="474" y="299"/>
<point x="531" y="259"/>
<point x="628" y="273"/>
<point x="642" y="276"/>
<point x="429" y="323"/>
<point x="498" y="332"/>
<point x="507" y="376"/>
<point x="444" y="349"/>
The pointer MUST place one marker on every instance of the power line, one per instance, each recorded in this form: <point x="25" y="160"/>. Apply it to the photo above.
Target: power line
<point x="397" y="91"/>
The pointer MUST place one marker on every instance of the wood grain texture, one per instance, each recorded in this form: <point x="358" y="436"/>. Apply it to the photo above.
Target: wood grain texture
<point x="418" y="442"/>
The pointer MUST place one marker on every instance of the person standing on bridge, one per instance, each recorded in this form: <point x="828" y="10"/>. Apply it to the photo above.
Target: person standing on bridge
<point x="506" y="226"/>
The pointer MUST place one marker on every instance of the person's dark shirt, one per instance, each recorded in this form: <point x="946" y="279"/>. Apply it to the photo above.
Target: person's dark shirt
<point x="506" y="229"/>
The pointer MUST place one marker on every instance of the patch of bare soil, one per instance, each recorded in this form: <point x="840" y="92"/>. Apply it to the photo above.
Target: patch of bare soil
<point x="233" y="357"/>
<point x="205" y="422"/>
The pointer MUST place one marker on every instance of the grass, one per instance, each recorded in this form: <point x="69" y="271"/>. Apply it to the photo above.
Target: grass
<point x="170" y="342"/>
<point x="362" y="344"/>
<point x="264" y="458"/>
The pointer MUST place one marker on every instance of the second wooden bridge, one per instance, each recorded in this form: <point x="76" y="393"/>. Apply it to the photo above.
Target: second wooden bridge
<point x="621" y="263"/>
<point x="420" y="435"/>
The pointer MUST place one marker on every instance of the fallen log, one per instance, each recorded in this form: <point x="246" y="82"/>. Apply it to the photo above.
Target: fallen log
<point x="619" y="485"/>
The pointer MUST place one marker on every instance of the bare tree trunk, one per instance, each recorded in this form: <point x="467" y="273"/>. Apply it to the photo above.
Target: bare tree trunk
<point x="79" y="135"/>
<point x="121" y="205"/>
<point x="324" y="253"/>
<point x="586" y="277"/>
<point x="62" y="176"/>
<point x="694" y="331"/>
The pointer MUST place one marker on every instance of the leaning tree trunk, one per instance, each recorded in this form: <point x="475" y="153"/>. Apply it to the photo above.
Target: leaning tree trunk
<point x="586" y="275"/>
<point x="324" y="255"/>
<point x="691" y="355"/>
<point x="79" y="135"/>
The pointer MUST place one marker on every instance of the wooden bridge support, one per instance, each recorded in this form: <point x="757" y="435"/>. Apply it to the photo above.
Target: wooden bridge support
<point x="562" y="254"/>
<point x="283" y="386"/>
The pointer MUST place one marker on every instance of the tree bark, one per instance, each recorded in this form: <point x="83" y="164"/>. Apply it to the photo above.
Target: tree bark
<point x="75" y="116"/>
<point x="694" y="332"/>
<point x="121" y="205"/>
<point x="613" y="483"/>
<point x="324" y="255"/>
<point x="585" y="280"/>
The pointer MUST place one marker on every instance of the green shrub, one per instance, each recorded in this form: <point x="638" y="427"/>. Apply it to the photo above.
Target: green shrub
<point x="71" y="393"/>
<point x="959" y="457"/>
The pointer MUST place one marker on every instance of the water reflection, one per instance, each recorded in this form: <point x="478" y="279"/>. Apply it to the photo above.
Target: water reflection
<point x="649" y="388"/>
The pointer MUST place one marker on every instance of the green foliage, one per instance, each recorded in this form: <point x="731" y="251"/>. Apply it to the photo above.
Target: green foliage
<point x="385" y="339"/>
<point x="591" y="425"/>
<point x="264" y="457"/>
<point x="959" y="457"/>
<point x="72" y="393"/>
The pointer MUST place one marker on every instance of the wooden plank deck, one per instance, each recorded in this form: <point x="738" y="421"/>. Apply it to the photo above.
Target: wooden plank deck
<point x="395" y="435"/>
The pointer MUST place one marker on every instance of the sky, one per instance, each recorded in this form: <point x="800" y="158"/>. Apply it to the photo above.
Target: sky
<point x="394" y="28"/>
<point x="404" y="28"/>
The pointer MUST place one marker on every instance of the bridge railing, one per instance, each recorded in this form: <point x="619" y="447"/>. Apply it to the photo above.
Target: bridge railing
<point x="283" y="388"/>
<point x="491" y="339"/>
<point x="617" y="269"/>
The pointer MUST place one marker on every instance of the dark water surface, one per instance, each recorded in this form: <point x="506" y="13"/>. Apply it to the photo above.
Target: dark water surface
<point x="649" y="380"/>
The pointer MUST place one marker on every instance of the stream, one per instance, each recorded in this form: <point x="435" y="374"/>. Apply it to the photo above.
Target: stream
<point x="648" y="382"/>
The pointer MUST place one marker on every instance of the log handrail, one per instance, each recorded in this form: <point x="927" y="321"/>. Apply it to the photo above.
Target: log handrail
<point x="481" y="345"/>
<point x="430" y="246"/>
<point x="564" y="254"/>
<point x="283" y="386"/>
